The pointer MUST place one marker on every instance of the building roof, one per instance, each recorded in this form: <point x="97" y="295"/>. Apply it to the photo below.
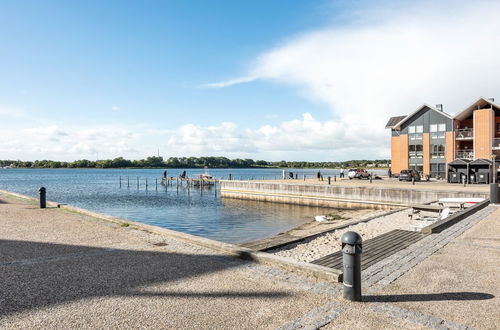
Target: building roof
<point x="481" y="161"/>
<point x="406" y="118"/>
<point x="393" y="121"/>
<point x="459" y="161"/>
<point x="478" y="104"/>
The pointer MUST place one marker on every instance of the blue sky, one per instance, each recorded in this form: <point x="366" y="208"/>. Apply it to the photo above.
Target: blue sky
<point x="294" y="80"/>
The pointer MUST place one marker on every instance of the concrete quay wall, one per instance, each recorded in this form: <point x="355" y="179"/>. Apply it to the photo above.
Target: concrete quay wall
<point x="335" y="195"/>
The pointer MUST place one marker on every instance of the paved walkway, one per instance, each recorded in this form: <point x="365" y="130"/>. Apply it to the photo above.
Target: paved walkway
<point x="60" y="269"/>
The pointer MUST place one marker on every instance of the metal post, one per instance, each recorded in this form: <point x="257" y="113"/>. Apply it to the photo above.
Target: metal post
<point x="128" y="182"/>
<point x="146" y="184"/>
<point x="120" y="181"/>
<point x="42" y="192"/>
<point x="156" y="182"/>
<point x="351" y="259"/>
<point x="230" y="176"/>
<point x="137" y="183"/>
<point x="335" y="178"/>
<point x="329" y="180"/>
<point x="371" y="177"/>
<point x="494" y="193"/>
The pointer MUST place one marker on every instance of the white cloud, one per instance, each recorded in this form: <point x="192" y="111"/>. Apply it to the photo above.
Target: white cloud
<point x="293" y="136"/>
<point x="230" y="82"/>
<point x="115" y="108"/>
<point x="388" y="62"/>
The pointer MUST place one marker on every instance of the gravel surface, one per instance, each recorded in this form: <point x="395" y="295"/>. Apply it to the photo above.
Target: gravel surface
<point x="312" y="249"/>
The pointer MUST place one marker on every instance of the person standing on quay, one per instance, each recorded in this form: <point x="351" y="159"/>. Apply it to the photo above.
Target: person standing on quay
<point x="341" y="173"/>
<point x="283" y="174"/>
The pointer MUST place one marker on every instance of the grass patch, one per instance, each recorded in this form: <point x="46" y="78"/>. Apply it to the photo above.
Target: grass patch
<point x="125" y="224"/>
<point x="335" y="217"/>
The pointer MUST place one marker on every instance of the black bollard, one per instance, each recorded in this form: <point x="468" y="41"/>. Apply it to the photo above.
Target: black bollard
<point x="230" y="177"/>
<point x="494" y="193"/>
<point x="335" y="178"/>
<point x="43" y="203"/>
<point x="351" y="260"/>
<point x="329" y="180"/>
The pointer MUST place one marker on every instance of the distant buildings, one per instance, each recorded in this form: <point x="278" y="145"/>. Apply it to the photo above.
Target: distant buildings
<point x="437" y="144"/>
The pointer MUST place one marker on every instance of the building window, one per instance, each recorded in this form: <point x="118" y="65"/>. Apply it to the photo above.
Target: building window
<point x="415" y="151"/>
<point x="438" y="150"/>
<point x="437" y="131"/>
<point x="417" y="167"/>
<point x="438" y="170"/>
<point x="415" y="132"/>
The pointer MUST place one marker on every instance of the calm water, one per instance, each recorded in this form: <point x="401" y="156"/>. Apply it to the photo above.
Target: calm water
<point x="201" y="213"/>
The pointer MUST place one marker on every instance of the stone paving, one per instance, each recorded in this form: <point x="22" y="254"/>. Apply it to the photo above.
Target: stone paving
<point x="386" y="271"/>
<point x="67" y="270"/>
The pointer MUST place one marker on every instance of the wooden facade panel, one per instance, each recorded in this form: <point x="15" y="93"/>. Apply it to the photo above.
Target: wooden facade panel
<point x="450" y="146"/>
<point x="404" y="151"/>
<point x="483" y="133"/>
<point x="399" y="153"/>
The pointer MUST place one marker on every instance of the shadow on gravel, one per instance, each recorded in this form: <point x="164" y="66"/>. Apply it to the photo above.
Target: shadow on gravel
<point x="430" y="297"/>
<point x="35" y="275"/>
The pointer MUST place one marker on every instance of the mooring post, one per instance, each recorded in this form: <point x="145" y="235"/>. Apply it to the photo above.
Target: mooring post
<point x="230" y="177"/>
<point x="120" y="181"/>
<point x="156" y="182"/>
<point x="42" y="192"/>
<point x="352" y="244"/>
<point x="128" y="182"/>
<point x="137" y="183"/>
<point x="146" y="183"/>
<point x="329" y="179"/>
<point x="304" y="177"/>
<point x="371" y="177"/>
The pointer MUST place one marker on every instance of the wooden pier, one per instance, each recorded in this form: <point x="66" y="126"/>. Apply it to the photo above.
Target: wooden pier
<point x="171" y="182"/>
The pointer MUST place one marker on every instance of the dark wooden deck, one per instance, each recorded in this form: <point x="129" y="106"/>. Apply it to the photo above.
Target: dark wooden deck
<point x="375" y="249"/>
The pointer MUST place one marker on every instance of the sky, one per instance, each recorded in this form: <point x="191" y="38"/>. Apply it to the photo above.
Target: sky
<point x="276" y="80"/>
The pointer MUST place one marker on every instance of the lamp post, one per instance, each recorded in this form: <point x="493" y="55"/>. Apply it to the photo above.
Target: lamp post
<point x="493" y="157"/>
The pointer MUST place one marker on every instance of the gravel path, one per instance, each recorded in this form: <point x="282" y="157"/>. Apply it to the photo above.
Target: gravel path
<point x="312" y="249"/>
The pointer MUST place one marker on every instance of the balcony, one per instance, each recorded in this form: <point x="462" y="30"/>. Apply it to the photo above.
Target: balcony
<point x="495" y="145"/>
<point x="465" y="154"/>
<point x="464" y="134"/>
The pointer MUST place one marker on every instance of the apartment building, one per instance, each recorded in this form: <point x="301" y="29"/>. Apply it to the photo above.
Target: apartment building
<point x="429" y="139"/>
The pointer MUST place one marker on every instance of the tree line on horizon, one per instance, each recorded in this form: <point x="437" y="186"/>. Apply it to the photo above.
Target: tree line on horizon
<point x="188" y="162"/>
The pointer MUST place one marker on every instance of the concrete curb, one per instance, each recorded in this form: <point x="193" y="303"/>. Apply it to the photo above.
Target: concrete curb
<point x="306" y="269"/>
<point x="439" y="226"/>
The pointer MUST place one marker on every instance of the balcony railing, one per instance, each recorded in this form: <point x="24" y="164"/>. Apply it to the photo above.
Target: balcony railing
<point x="465" y="154"/>
<point x="464" y="134"/>
<point x="495" y="144"/>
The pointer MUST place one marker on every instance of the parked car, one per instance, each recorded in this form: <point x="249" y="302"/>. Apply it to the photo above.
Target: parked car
<point x="409" y="175"/>
<point x="358" y="173"/>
